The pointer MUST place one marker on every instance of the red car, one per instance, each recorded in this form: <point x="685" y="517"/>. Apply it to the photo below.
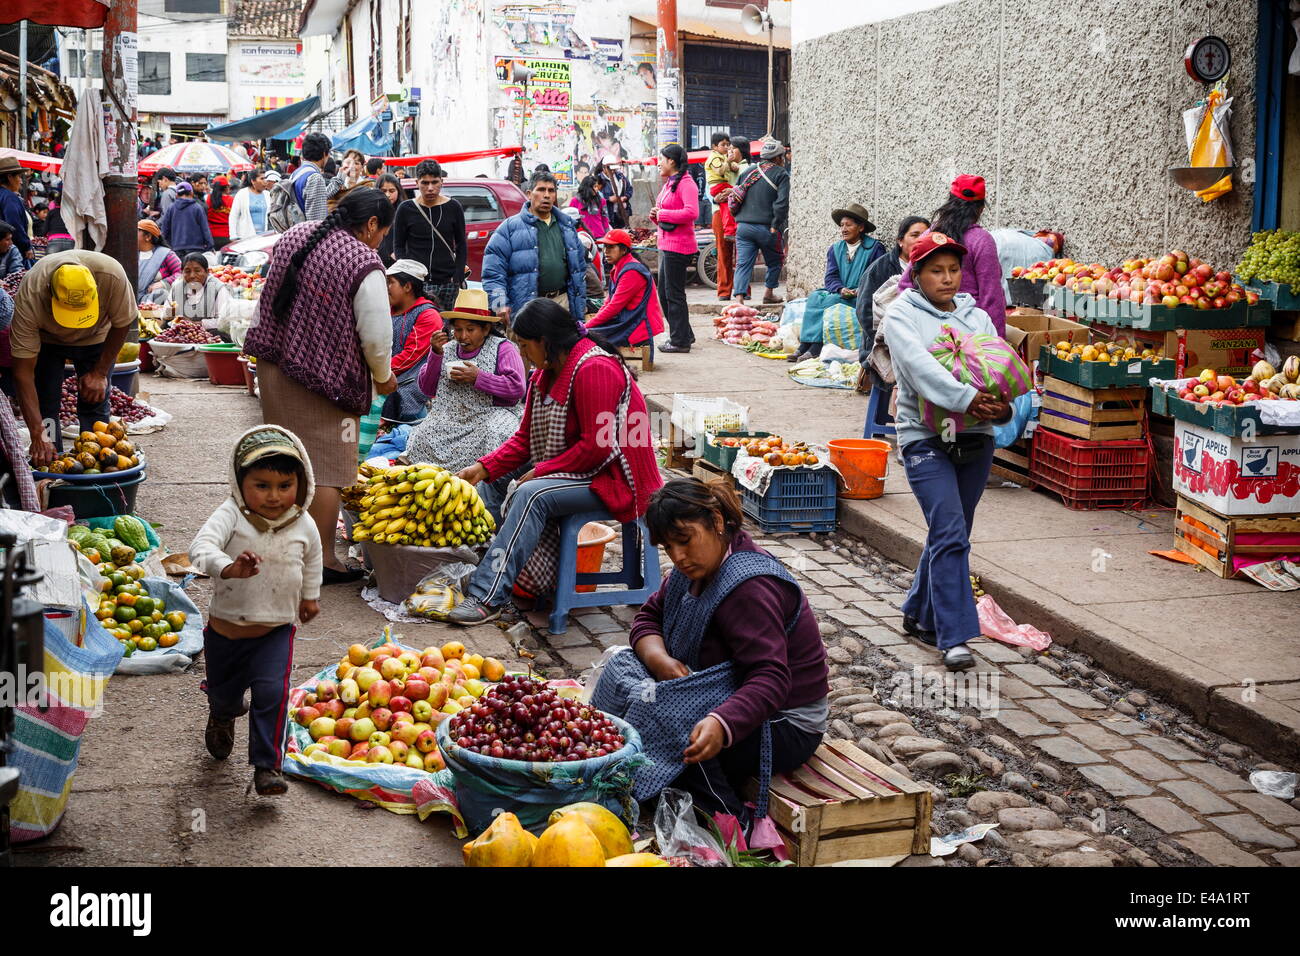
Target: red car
<point x="487" y="202"/>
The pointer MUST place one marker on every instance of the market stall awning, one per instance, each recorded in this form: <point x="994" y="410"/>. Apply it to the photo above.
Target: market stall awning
<point x="265" y="125"/>
<point x="445" y="158"/>
<point x="87" y="14"/>
<point x="42" y="164"/>
<point x="367" y="134"/>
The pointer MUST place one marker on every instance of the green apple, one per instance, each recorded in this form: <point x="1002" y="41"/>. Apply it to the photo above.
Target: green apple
<point x="362" y="728"/>
<point x="421" y="710"/>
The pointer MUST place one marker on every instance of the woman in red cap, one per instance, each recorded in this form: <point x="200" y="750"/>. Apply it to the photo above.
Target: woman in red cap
<point x="632" y="306"/>
<point x="947" y="470"/>
<point x="981" y="274"/>
<point x="219" y="204"/>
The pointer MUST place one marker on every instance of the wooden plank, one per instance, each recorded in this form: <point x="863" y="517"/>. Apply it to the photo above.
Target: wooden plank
<point x="863" y="846"/>
<point x="871" y="787"/>
<point x="874" y="766"/>
<point x="883" y="813"/>
<point x="1090" y="396"/>
<point x="838" y="777"/>
<point x="818" y="785"/>
<point x="921" y="831"/>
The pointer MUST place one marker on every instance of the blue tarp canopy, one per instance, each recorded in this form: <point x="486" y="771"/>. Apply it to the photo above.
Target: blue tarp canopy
<point x="368" y="135"/>
<point x="266" y="125"/>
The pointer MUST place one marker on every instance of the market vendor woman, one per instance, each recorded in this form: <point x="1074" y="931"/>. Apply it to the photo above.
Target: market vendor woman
<point x="197" y="294"/>
<point x="584" y="444"/>
<point x="846" y="260"/>
<point x="476" y="383"/>
<point x="75" y="306"/>
<point x="726" y="604"/>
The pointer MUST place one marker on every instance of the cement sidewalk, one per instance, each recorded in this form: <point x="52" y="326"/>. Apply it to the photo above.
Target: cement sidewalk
<point x="1228" y="651"/>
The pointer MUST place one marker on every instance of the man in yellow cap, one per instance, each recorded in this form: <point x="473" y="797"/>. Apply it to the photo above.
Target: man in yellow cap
<point x="75" y="306"/>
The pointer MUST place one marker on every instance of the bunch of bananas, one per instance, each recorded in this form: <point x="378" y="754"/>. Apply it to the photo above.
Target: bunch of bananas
<point x="149" y="327"/>
<point x="421" y="505"/>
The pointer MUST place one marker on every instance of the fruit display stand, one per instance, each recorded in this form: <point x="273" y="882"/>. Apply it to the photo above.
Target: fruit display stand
<point x="1160" y="318"/>
<point x="1226" y="419"/>
<point x="1096" y="414"/>
<point x="96" y="496"/>
<point x="844" y="804"/>
<point x="1136" y="372"/>
<point x="1012" y="462"/>
<point x="1217" y="542"/>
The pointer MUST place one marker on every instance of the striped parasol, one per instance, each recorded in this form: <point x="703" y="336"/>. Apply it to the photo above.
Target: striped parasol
<point x="195" y="157"/>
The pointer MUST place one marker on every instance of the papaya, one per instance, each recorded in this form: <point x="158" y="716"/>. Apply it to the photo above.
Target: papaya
<point x="637" y="859"/>
<point x="604" y="825"/>
<point x="504" y="843"/>
<point x="568" y="842"/>
<point x="122" y="554"/>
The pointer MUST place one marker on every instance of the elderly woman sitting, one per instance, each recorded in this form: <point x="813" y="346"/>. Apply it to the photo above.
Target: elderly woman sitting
<point x="846" y="261"/>
<point x="197" y="294"/>
<point x="159" y="266"/>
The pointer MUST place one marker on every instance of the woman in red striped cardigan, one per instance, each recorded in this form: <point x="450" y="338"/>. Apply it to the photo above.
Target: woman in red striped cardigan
<point x="584" y="444"/>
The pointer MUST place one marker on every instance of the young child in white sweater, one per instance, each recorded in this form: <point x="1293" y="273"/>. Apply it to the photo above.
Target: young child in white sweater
<point x="263" y="552"/>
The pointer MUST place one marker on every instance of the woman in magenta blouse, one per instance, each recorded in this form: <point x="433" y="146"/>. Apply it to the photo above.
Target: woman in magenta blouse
<point x="476" y="383"/>
<point x="591" y="206"/>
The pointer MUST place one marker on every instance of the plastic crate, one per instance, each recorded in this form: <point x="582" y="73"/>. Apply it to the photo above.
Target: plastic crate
<point x="1091" y="474"/>
<point x="724" y="456"/>
<point x="797" y="499"/>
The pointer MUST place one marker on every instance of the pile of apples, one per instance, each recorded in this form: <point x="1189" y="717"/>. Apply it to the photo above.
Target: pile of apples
<point x="777" y="452"/>
<point x="242" y="284"/>
<point x="386" y="701"/>
<point x="1264" y="384"/>
<point x="1171" y="280"/>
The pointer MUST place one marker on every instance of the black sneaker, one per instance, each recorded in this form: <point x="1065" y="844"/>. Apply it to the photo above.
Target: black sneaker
<point x="913" y="627"/>
<point x="269" y="782"/>
<point x="219" y="737"/>
<point x="472" y="611"/>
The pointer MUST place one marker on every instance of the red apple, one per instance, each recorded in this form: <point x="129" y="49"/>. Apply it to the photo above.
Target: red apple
<point x="1251" y="386"/>
<point x="332" y="708"/>
<point x="1224" y="382"/>
<point x="382" y="718"/>
<point x="380" y="693"/>
<point x="426" y="741"/>
<point x="417" y="689"/>
<point x="343" y="726"/>
<point x="400" y="704"/>
<point x="1219" y="302"/>
<point x="306" y="715"/>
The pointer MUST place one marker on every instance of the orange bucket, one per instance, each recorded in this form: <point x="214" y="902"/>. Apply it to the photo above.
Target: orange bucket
<point x="591" y="552"/>
<point x="864" y="465"/>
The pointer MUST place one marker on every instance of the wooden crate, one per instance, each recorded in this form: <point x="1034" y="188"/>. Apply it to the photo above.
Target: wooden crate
<point x="1012" y="463"/>
<point x="1199" y="531"/>
<point x="1097" y="414"/>
<point x="1286" y="326"/>
<point x="844" y="804"/>
<point x="638" y="353"/>
<point x="708" y="472"/>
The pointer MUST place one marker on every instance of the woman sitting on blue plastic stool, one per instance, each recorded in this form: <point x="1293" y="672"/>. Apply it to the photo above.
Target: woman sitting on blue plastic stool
<point x="726" y="602"/>
<point x="947" y="472"/>
<point x="585" y="444"/>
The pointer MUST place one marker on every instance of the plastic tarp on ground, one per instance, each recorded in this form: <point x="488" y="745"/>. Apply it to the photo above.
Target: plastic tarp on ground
<point x="267" y="125"/>
<point x="165" y="660"/>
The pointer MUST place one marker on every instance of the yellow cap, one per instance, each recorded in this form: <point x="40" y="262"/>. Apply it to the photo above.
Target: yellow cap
<point x="76" y="298"/>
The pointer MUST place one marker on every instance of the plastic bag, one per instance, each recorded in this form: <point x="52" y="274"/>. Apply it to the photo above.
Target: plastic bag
<point x="1208" y="140"/>
<point x="985" y="362"/>
<point x="678" y="834"/>
<point x="995" y="623"/>
<point x="439" y="591"/>
<point x="1022" y="409"/>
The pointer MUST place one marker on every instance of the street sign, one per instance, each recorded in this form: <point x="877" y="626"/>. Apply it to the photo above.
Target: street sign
<point x="386" y="116"/>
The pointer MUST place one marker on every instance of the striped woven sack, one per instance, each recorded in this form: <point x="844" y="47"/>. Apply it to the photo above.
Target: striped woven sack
<point x="46" y="744"/>
<point x="840" y="327"/>
<point x="984" y="361"/>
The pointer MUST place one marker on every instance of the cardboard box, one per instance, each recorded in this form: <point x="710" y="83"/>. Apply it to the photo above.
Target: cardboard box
<point x="1028" y="330"/>
<point x="1227" y="351"/>
<point x="1232" y="476"/>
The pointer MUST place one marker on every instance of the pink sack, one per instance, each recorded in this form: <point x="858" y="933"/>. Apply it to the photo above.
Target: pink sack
<point x="996" y="624"/>
<point x="984" y="361"/>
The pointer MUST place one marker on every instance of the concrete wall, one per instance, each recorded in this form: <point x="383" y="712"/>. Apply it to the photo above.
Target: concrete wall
<point x="1072" y="115"/>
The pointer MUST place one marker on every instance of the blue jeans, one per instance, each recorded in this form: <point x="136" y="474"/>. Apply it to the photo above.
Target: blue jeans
<point x="534" y="503"/>
<point x="262" y="664"/>
<point x="750" y="238"/>
<point x="941" y="598"/>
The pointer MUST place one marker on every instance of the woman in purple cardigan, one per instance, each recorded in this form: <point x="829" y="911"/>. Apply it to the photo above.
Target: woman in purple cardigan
<point x="728" y="601"/>
<point x="981" y="273"/>
<point x="476" y="384"/>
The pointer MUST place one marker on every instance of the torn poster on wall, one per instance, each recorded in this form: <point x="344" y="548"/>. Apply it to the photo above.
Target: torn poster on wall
<point x="550" y="87"/>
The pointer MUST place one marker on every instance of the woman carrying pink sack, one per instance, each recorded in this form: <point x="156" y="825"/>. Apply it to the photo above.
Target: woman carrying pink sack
<point x="947" y="455"/>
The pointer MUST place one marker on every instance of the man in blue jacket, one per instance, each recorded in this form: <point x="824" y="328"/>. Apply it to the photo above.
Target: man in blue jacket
<point x="185" y="224"/>
<point x="536" y="253"/>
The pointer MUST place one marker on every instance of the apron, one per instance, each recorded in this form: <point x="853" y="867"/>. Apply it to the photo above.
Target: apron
<point x="408" y="404"/>
<point x="665" y="712"/>
<point x="821" y="301"/>
<point x="463" y="425"/>
<point x="547" y="440"/>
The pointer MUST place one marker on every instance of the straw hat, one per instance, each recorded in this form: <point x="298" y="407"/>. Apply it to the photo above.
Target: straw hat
<point x="471" y="304"/>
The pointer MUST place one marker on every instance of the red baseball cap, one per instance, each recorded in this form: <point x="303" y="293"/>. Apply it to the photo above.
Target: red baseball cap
<point x="616" y="237"/>
<point x="968" y="187"/>
<point x="932" y="242"/>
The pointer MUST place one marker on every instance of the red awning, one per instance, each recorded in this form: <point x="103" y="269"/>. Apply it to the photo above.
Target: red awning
<point x="453" y="157"/>
<point x="44" y="164"/>
<point x="87" y="14"/>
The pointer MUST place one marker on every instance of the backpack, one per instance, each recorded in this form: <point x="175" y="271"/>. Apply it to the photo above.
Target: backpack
<point x="286" y="206"/>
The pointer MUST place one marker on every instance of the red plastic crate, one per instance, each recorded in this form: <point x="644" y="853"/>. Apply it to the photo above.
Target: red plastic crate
<point x="1091" y="474"/>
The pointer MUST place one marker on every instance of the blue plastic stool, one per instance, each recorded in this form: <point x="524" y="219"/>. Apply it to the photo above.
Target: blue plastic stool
<point x="640" y="572"/>
<point x="874" y="427"/>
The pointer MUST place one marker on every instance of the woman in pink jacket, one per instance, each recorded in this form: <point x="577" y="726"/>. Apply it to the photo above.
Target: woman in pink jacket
<point x="675" y="212"/>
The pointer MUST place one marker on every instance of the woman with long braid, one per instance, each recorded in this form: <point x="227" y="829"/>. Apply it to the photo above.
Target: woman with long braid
<point x="323" y="339"/>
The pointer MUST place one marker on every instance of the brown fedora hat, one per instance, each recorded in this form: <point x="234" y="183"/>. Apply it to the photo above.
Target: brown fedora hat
<point x="10" y="164"/>
<point x="857" y="212"/>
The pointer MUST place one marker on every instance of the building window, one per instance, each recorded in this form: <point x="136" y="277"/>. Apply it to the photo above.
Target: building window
<point x="155" y="74"/>
<point x="205" y="67"/>
<point x="192" y="6"/>
<point x="75" y="64"/>
<point x="405" y="41"/>
<point x="376" y="51"/>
